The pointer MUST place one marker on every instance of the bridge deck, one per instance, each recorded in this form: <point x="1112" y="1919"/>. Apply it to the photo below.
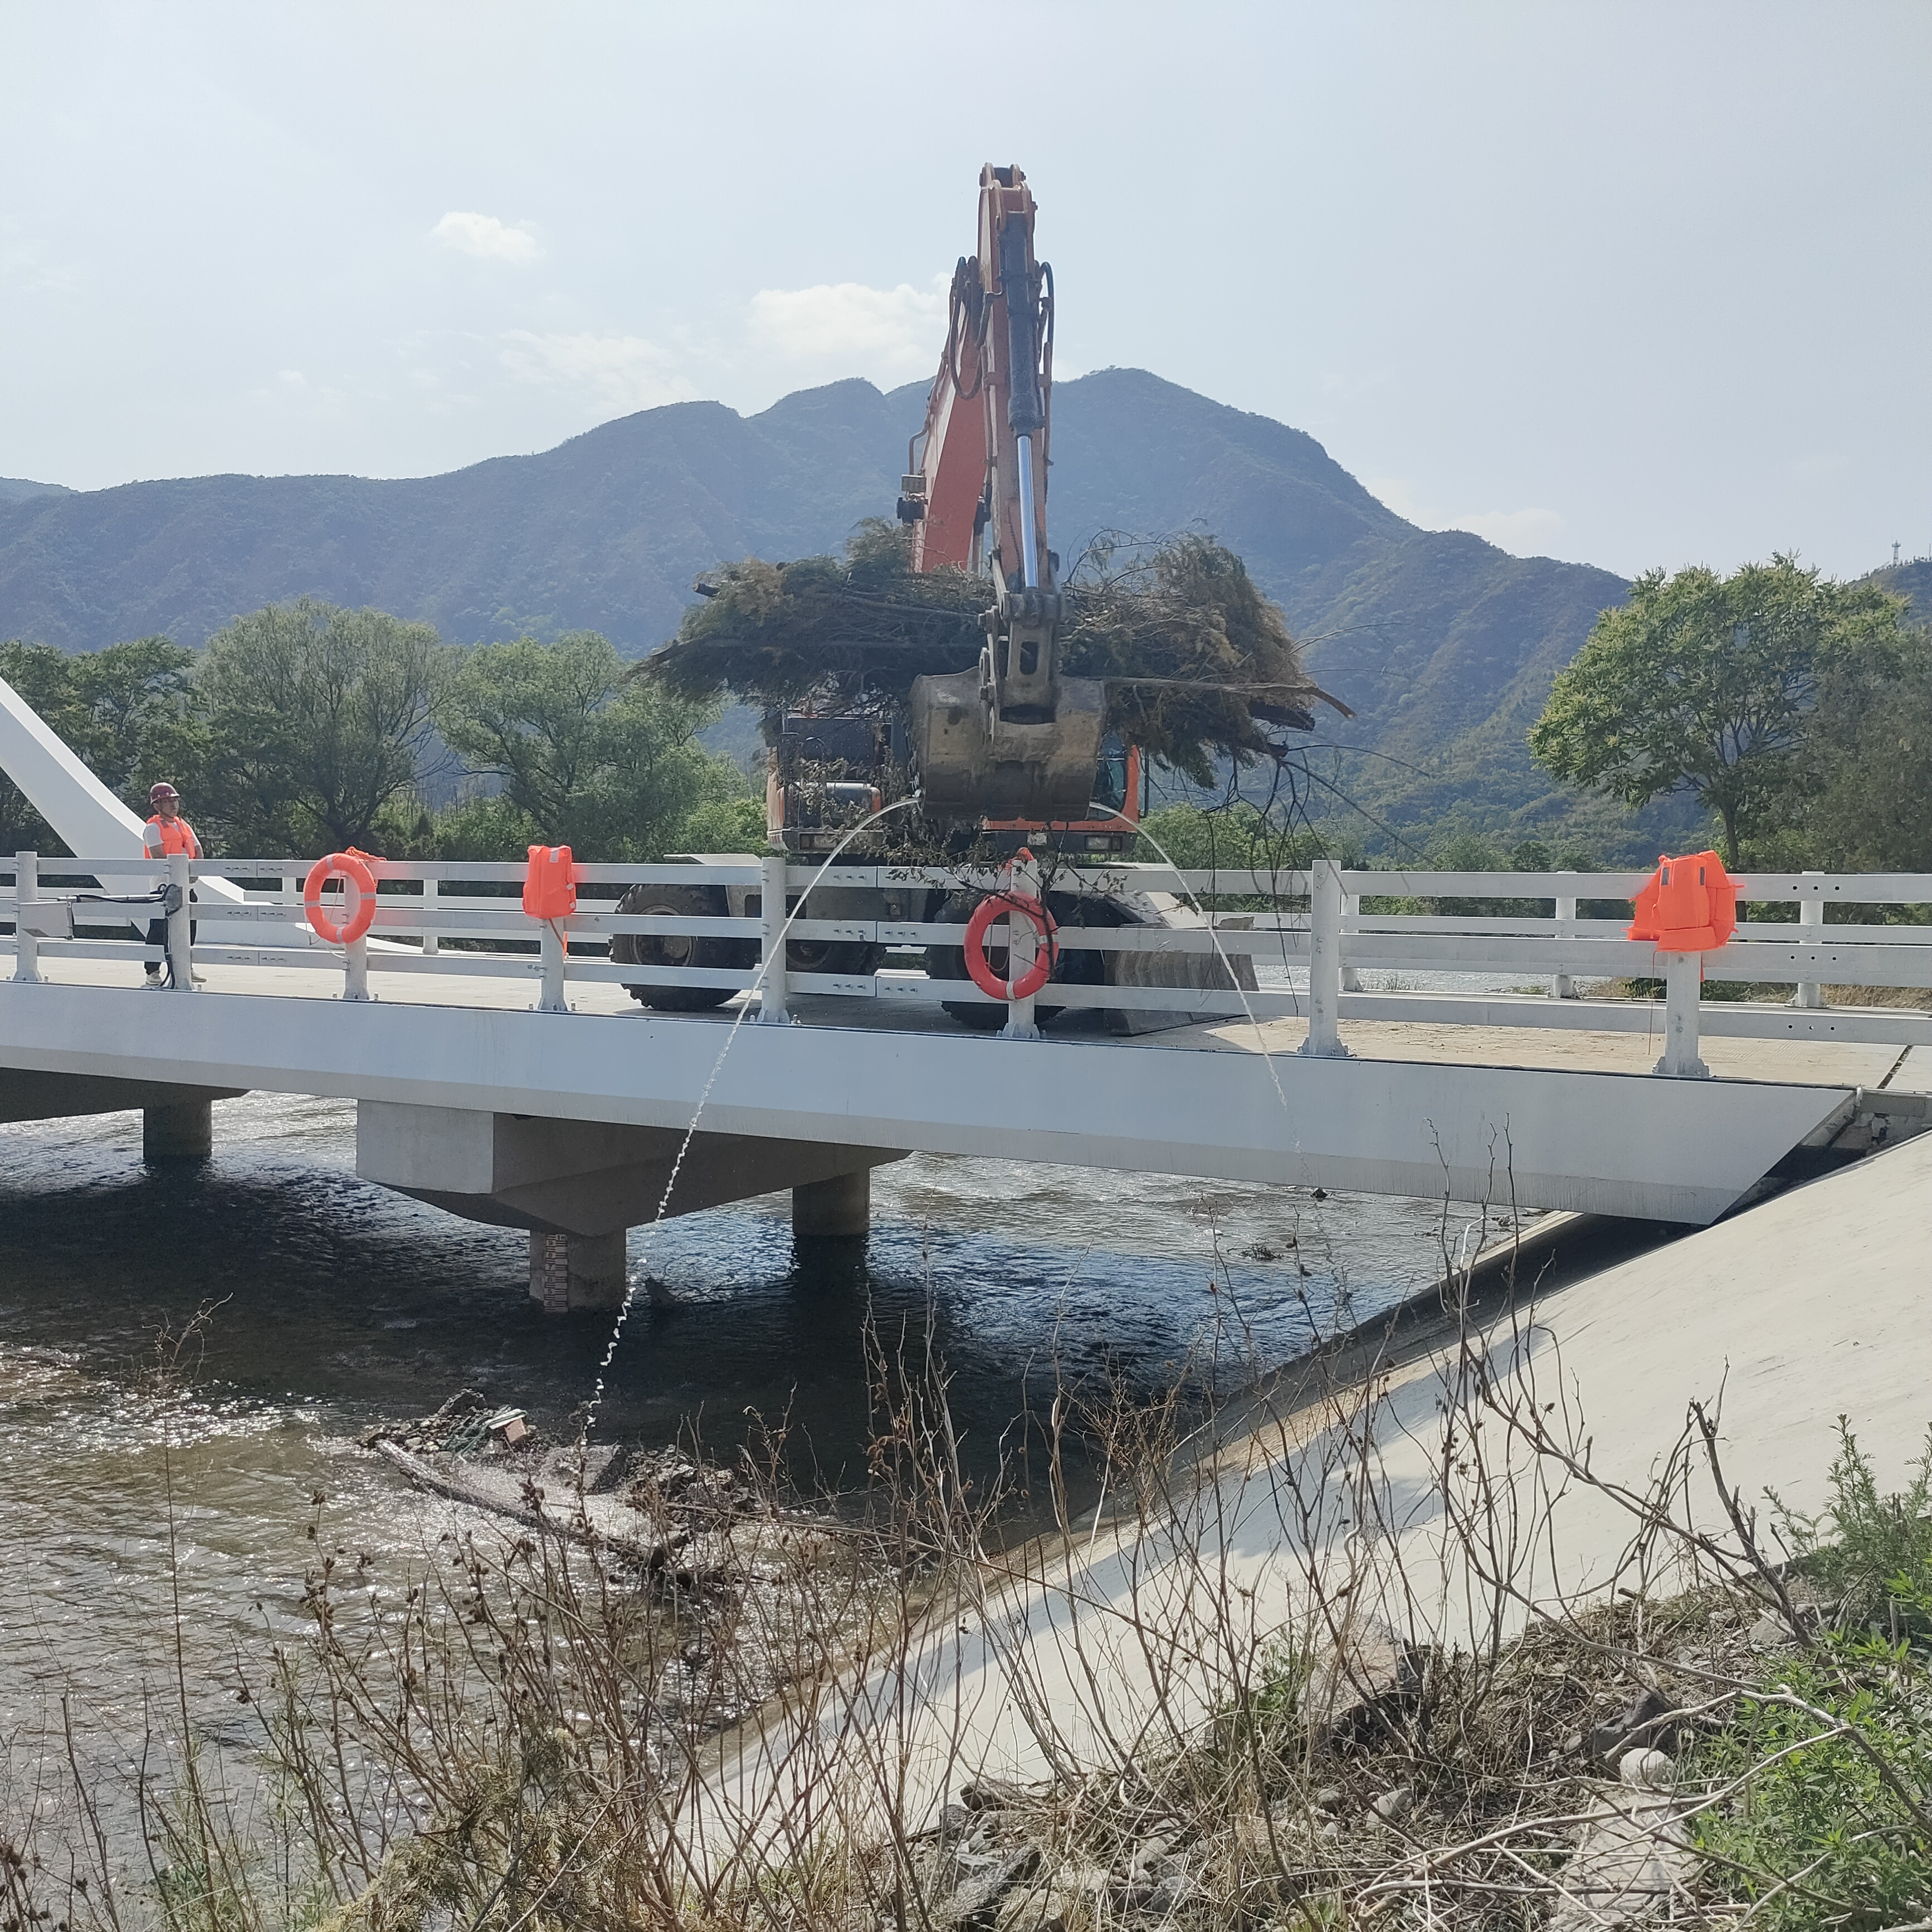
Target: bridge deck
<point x="1823" y="1062"/>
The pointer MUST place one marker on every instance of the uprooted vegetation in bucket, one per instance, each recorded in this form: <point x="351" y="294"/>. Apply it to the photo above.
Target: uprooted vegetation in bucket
<point x="1198" y="663"/>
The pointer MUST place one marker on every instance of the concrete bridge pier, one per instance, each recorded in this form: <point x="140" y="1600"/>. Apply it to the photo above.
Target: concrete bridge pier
<point x="577" y="1185"/>
<point x="570" y="1272"/>
<point x="177" y="1122"/>
<point x="839" y="1209"/>
<point x="178" y="1130"/>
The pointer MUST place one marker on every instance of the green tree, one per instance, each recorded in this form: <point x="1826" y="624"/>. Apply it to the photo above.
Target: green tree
<point x="1860" y="794"/>
<point x="319" y="720"/>
<point x="131" y="712"/>
<point x="589" y="754"/>
<point x="1709" y="684"/>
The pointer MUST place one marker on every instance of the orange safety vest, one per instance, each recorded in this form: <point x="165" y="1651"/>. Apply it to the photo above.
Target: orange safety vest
<point x="161" y="839"/>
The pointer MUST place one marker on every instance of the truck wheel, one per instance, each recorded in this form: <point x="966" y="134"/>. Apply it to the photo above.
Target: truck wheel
<point x="832" y="955"/>
<point x="644" y="949"/>
<point x="1080" y="965"/>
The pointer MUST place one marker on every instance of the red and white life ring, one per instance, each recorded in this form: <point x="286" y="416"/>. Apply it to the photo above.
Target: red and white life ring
<point x="359" y="894"/>
<point x="997" y="905"/>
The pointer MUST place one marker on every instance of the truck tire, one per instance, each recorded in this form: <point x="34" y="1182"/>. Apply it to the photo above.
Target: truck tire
<point x="638" y="949"/>
<point x="832" y="955"/>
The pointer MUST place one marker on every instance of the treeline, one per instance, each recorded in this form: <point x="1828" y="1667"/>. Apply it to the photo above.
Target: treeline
<point x="304" y="728"/>
<point x="1797" y="711"/>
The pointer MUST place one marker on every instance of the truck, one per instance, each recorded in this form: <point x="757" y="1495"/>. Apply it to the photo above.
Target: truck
<point x="1012" y="753"/>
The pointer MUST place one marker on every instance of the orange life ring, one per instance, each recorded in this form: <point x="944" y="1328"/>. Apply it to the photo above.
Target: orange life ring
<point x="361" y="883"/>
<point x="995" y="906"/>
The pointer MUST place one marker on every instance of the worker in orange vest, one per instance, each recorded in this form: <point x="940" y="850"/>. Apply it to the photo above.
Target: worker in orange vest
<point x="166" y="833"/>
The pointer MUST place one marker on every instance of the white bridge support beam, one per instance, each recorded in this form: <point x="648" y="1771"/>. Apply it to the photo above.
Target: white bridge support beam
<point x="85" y="814"/>
<point x="180" y="928"/>
<point x="773" y="1009"/>
<point x="1683" y="989"/>
<point x="26" y="891"/>
<point x="1561" y="985"/>
<point x="1808" y="993"/>
<point x="577" y="1185"/>
<point x="1326" y="900"/>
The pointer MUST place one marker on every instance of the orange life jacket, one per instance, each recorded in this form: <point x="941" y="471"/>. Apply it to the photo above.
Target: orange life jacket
<point x="550" y="882"/>
<point x="161" y="839"/>
<point x="1687" y="905"/>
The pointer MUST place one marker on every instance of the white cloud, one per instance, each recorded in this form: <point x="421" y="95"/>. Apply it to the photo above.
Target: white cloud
<point x="622" y="372"/>
<point x="893" y="333"/>
<point x="32" y="272"/>
<point x="484" y="236"/>
<point x="292" y="397"/>
<point x="1525" y="533"/>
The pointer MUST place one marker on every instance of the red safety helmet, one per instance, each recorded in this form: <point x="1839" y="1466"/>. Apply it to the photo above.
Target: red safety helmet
<point x="156" y="793"/>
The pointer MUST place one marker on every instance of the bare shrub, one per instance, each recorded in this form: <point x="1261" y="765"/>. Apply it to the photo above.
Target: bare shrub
<point x="1323" y="1652"/>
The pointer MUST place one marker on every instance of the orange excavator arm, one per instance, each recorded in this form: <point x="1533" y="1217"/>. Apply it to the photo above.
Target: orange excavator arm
<point x="984" y="439"/>
<point x="1013" y="739"/>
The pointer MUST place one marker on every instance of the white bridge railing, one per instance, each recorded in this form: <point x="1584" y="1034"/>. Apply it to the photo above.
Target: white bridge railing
<point x="1305" y="933"/>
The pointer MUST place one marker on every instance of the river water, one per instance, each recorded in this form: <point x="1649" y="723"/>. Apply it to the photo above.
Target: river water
<point x="332" y="1303"/>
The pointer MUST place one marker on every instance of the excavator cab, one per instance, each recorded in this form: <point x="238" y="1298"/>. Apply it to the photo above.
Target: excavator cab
<point x="825" y="774"/>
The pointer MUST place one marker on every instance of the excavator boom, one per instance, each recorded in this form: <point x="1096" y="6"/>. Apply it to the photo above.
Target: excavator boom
<point x="1014" y="739"/>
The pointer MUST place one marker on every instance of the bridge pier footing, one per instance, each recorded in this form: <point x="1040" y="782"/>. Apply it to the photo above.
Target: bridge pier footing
<point x="178" y="1130"/>
<point x="837" y="1210"/>
<point x="575" y="1271"/>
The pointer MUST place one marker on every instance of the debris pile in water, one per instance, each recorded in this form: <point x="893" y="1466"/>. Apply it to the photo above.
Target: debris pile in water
<point x="467" y="1424"/>
<point x="1195" y="659"/>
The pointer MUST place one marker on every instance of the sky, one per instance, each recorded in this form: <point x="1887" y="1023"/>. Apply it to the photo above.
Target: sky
<point x="1626" y="284"/>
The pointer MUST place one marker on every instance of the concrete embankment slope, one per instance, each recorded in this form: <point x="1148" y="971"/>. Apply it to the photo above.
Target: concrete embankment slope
<point x="1814" y="1304"/>
<point x="1504" y="1463"/>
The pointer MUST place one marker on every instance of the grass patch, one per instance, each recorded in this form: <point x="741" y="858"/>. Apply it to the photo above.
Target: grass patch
<point x="1831" y="1754"/>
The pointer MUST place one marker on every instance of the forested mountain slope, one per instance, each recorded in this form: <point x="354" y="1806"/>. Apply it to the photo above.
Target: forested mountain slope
<point x="1443" y="645"/>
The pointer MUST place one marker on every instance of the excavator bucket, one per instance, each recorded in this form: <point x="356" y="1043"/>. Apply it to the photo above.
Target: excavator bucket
<point x="972" y="766"/>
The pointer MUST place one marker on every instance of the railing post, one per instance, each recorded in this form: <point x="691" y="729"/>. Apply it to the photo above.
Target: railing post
<point x="26" y="890"/>
<point x="356" y="970"/>
<point x="1810" y="914"/>
<point x="553" y="950"/>
<point x="1562" y="986"/>
<point x="430" y="943"/>
<point x="1351" y="908"/>
<point x="1683" y="980"/>
<point x="774" y="881"/>
<point x="1022" y="951"/>
<point x="1324" y="962"/>
<point x="181" y="951"/>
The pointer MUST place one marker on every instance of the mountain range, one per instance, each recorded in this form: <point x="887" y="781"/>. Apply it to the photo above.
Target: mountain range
<point x="1444" y="645"/>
